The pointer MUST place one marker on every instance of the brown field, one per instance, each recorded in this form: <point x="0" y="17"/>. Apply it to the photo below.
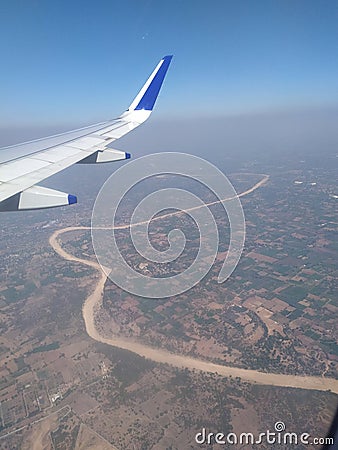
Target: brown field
<point x="87" y="439"/>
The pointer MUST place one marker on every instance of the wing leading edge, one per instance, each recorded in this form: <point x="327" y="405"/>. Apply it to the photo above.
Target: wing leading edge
<point x="24" y="165"/>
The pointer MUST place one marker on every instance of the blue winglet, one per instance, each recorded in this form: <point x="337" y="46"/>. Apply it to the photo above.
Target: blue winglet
<point x="71" y="199"/>
<point x="149" y="97"/>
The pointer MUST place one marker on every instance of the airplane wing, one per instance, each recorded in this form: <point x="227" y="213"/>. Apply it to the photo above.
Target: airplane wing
<point x="25" y="165"/>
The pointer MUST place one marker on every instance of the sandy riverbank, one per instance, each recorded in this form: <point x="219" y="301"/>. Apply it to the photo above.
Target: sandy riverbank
<point x="163" y="356"/>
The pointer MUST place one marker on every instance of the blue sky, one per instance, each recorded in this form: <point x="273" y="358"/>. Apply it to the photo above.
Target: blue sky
<point x="72" y="62"/>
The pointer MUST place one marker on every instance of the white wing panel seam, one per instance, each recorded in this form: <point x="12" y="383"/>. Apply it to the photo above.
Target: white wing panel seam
<point x="86" y="143"/>
<point x="56" y="154"/>
<point x="19" y="168"/>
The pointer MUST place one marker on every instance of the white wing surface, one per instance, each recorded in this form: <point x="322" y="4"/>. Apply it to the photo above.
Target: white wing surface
<point x="25" y="165"/>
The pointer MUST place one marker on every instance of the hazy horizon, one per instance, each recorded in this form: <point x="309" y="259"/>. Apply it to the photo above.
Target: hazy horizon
<point x="269" y="131"/>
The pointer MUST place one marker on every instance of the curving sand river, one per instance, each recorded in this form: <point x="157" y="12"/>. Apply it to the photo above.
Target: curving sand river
<point x="163" y="356"/>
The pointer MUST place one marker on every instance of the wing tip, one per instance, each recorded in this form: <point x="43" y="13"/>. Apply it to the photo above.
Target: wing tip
<point x="72" y="199"/>
<point x="146" y="98"/>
